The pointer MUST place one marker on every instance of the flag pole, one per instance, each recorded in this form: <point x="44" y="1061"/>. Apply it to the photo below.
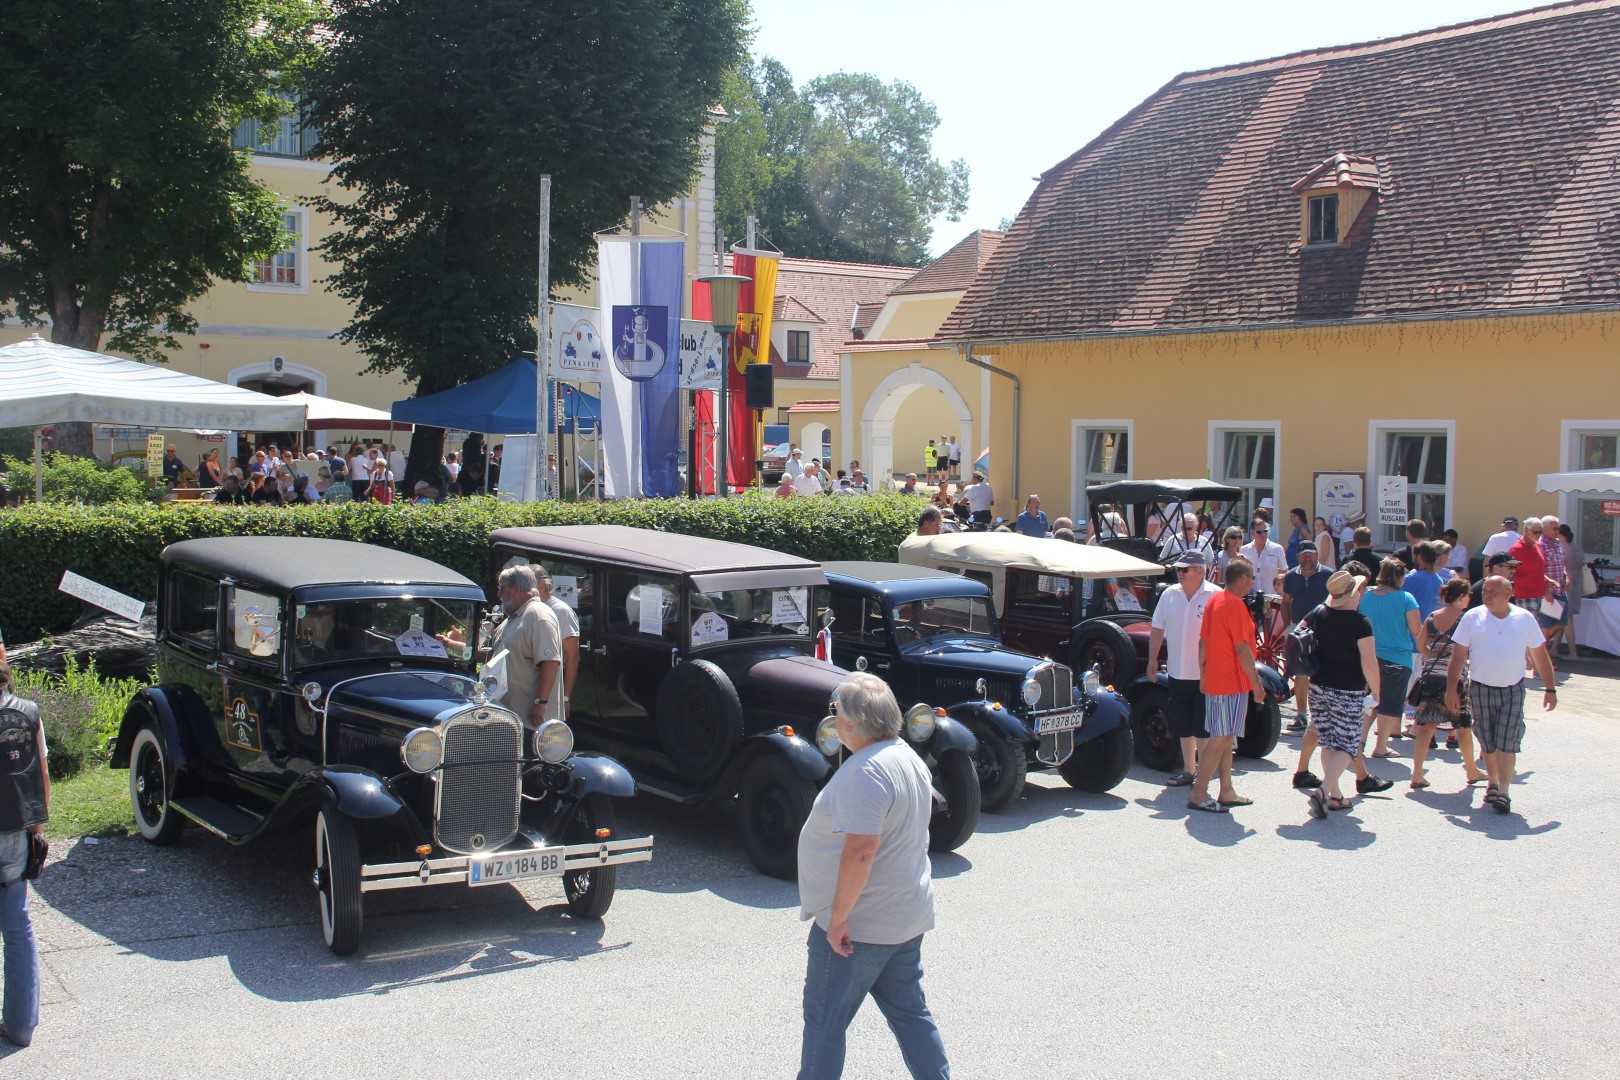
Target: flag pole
<point x="542" y="347"/>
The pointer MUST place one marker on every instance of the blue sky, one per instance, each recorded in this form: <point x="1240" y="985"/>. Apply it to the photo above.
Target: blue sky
<point x="1021" y="84"/>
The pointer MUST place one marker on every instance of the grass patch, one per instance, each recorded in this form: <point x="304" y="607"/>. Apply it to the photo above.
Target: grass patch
<point x="95" y="802"/>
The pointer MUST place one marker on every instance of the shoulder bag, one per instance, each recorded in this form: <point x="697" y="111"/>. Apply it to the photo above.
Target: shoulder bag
<point x="1299" y="649"/>
<point x="1423" y="686"/>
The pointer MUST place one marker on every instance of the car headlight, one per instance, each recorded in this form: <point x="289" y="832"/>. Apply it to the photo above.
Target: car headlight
<point x="1092" y="682"/>
<point x="919" y="723"/>
<point x="553" y="741"/>
<point x="423" y="750"/>
<point x="827" y="740"/>
<point x="1032" y="692"/>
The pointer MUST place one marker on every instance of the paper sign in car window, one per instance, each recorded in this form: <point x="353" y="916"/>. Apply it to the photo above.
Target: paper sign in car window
<point x="566" y="589"/>
<point x="708" y="629"/>
<point x="651" y="618"/>
<point x="417" y="643"/>
<point x="787" y="606"/>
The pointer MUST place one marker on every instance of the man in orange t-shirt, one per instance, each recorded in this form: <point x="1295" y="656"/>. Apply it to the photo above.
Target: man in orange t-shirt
<point x="1228" y="677"/>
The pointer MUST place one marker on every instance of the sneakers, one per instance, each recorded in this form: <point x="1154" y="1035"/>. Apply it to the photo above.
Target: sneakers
<point x="1370" y="783"/>
<point x="1298" y="724"/>
<point x="1307" y="779"/>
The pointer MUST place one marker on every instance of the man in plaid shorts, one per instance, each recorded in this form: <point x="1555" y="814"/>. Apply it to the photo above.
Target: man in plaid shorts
<point x="1492" y="640"/>
<point x="1229" y="678"/>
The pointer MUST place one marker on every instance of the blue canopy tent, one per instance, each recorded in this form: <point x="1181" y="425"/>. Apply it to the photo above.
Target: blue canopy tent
<point x="500" y="403"/>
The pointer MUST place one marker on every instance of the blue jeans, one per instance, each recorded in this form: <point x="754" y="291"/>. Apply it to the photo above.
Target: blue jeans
<point x="20" y="1013"/>
<point x="835" y="986"/>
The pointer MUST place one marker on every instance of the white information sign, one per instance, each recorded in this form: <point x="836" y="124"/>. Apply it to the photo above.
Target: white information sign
<point x="577" y="351"/>
<point x="1392" y="500"/>
<point x="788" y="606"/>
<point x="709" y="629"/>
<point x="650" y="620"/>
<point x="92" y="592"/>
<point x="566" y="589"/>
<point x="418" y="643"/>
<point x="1340" y="497"/>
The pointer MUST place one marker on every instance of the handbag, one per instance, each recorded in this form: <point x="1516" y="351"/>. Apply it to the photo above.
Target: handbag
<point x="1426" y="678"/>
<point x="38" y="848"/>
<point x="1299" y="648"/>
<point x="1589" y="582"/>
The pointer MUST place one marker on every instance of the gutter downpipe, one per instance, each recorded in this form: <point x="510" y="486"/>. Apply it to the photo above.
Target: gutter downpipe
<point x="1017" y="387"/>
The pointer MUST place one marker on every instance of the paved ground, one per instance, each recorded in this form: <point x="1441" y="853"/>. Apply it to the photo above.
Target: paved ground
<point x="1080" y="935"/>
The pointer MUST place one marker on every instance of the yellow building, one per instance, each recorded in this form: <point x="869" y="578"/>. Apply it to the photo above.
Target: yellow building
<point x="1396" y="258"/>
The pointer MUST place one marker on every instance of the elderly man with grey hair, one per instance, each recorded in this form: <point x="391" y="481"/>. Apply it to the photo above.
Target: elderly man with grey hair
<point x="864" y="877"/>
<point x="532" y="642"/>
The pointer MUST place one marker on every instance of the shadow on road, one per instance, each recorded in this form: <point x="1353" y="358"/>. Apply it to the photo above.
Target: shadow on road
<point x="1040" y="803"/>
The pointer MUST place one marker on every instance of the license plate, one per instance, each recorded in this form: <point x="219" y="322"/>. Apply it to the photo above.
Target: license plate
<point x="1046" y="725"/>
<point x="496" y="869"/>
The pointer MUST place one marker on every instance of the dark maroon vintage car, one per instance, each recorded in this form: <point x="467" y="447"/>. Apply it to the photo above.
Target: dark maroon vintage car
<point x="698" y="670"/>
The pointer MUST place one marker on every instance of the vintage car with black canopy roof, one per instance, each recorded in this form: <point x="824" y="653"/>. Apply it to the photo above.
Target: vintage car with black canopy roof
<point x="305" y="678"/>
<point x="698" y="670"/>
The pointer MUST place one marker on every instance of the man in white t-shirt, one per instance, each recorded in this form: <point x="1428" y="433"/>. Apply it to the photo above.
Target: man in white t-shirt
<point x="1176" y="621"/>
<point x="1504" y="540"/>
<point x="568" y="626"/>
<point x="979" y="499"/>
<point x="1269" y="558"/>
<point x="795" y="465"/>
<point x="396" y="461"/>
<point x="360" y="473"/>
<point x="1491" y="640"/>
<point x="809" y="482"/>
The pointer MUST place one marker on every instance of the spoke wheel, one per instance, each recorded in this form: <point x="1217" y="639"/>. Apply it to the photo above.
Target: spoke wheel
<point x="337" y="880"/>
<point x="590" y="892"/>
<point x="155" y="818"/>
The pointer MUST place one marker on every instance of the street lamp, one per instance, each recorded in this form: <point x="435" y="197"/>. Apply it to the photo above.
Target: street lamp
<point x="724" y="292"/>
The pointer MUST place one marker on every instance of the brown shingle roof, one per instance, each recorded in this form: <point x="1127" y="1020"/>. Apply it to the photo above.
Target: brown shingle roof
<point x="1494" y="148"/>
<point x="792" y="309"/>
<point x="956" y="269"/>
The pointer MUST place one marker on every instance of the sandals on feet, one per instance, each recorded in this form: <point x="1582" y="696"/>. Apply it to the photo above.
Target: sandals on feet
<point x="1339" y="804"/>
<point x="1383" y="754"/>
<point x="1503" y="804"/>
<point x="1208" y="806"/>
<point x="1319" y="804"/>
<point x="1180" y="779"/>
<point x="1241" y="800"/>
<point x="1418" y="782"/>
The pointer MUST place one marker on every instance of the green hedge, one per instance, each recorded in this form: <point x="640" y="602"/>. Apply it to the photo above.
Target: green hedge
<point x="119" y="545"/>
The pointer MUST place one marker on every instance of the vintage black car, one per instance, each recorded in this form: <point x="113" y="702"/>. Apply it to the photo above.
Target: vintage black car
<point x="934" y="635"/>
<point x="698" y="671"/>
<point x="303" y="678"/>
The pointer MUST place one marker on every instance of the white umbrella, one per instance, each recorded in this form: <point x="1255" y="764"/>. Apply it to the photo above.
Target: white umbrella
<point x="44" y="383"/>
<point x="1582" y="482"/>
<point x="325" y="412"/>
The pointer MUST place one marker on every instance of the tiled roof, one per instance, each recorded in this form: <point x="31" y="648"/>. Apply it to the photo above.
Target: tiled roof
<point x="866" y="313"/>
<point x="1494" y="148"/>
<point x="828" y="291"/>
<point x="956" y="269"/>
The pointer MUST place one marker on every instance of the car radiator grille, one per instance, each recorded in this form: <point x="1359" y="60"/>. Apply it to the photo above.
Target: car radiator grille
<point x="953" y="688"/>
<point x="1057" y="686"/>
<point x="1055" y="748"/>
<point x="480" y="782"/>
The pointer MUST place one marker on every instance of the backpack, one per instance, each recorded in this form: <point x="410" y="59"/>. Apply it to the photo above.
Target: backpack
<point x="1299" y="648"/>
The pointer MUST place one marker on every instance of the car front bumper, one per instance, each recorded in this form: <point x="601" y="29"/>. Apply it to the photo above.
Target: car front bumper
<point x="453" y="869"/>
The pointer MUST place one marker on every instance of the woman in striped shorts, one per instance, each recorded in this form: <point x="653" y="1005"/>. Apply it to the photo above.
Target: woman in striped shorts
<point x="1348" y="665"/>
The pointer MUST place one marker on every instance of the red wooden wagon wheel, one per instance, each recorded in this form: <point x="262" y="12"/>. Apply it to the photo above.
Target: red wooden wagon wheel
<point x="1270" y="632"/>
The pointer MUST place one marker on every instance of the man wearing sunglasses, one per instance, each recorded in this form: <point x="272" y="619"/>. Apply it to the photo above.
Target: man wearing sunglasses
<point x="1269" y="559"/>
<point x="1177" y="619"/>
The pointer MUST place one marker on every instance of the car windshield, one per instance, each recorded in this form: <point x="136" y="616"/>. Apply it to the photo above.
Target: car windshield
<point x="736" y="614"/>
<point x="942" y="616"/>
<point x="422" y="627"/>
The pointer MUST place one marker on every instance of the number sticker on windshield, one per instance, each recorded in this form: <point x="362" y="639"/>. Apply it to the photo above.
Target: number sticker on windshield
<point x="417" y="643"/>
<point x="709" y="629"/>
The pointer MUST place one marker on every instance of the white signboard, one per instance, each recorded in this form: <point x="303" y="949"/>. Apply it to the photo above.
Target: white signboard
<point x="566" y="589"/>
<point x="709" y="629"/>
<point x="651" y="618"/>
<point x="1340" y="497"/>
<point x="102" y="597"/>
<point x="577" y="351"/>
<point x="1392" y="500"/>
<point x="788" y="606"/>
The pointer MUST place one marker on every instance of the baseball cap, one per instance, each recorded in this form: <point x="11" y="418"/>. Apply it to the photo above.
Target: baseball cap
<point x="1511" y="522"/>
<point x="1192" y="557"/>
<point x="1501" y="558"/>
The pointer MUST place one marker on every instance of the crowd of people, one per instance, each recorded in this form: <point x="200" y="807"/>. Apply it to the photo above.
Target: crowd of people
<point x="372" y="472"/>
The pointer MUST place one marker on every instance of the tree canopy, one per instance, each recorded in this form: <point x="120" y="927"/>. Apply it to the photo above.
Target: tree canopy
<point x="841" y="168"/>
<point x="121" y="199"/>
<point x="439" y="117"/>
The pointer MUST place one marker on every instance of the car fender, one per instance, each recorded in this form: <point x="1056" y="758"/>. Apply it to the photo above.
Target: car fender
<point x="1134" y="691"/>
<point x="1106" y="710"/>
<point x="598" y="774"/>
<point x="358" y="793"/>
<point x="1004" y="723"/>
<point x="950" y="735"/>
<point x="806" y="760"/>
<point x="1272" y="680"/>
<point x="181" y="716"/>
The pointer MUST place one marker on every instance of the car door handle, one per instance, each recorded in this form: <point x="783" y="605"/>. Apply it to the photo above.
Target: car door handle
<point x="882" y="665"/>
<point x="600" y="650"/>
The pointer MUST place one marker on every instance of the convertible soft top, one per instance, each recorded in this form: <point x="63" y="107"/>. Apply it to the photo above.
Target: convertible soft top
<point x="1132" y="492"/>
<point x="294" y="562"/>
<point x="1042" y="554"/>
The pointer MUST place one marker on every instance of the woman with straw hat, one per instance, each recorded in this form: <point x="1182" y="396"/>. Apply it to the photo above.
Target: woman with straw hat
<point x="1348" y="666"/>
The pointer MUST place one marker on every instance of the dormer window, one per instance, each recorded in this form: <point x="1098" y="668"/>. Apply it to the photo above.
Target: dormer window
<point x="798" y="346"/>
<point x="1334" y="194"/>
<point x="1323" y="226"/>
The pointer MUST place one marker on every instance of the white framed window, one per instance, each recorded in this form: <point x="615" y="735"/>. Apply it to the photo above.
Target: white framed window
<point x="798" y="346"/>
<point x="1246" y="454"/>
<point x="1323" y="213"/>
<point x="289" y="136"/>
<point x="1424" y="452"/>
<point x="1591" y="444"/>
<point x="1100" y="451"/>
<point x="286" y="270"/>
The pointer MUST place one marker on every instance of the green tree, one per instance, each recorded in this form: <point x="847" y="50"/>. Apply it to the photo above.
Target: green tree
<point x="842" y="168"/>
<point x="439" y="116"/>
<point x="121" y="199"/>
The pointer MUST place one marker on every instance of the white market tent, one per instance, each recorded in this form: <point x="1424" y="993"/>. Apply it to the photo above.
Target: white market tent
<point x="1583" y="482"/>
<point x="43" y="383"/>
<point x="325" y="412"/>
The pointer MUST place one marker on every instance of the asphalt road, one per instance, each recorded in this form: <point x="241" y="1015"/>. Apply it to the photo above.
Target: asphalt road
<point x="1079" y="935"/>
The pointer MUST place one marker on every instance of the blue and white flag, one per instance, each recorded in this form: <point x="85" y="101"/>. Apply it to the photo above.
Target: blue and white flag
<point x="639" y="282"/>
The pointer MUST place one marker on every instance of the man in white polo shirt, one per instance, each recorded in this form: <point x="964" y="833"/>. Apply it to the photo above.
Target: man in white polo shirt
<point x="1177" y="619"/>
<point x="1270" y="559"/>
<point x="1492" y="641"/>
